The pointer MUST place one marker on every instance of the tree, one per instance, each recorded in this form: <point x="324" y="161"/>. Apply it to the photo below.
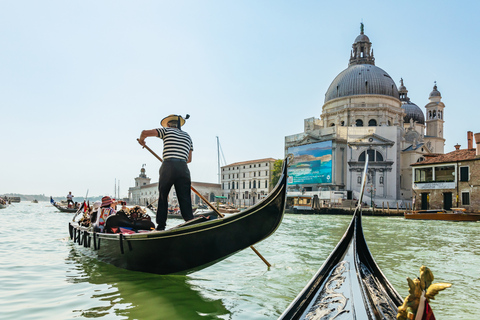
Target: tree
<point x="276" y="172"/>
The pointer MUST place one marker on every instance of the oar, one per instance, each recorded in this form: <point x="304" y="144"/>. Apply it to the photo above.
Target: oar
<point x="207" y="202"/>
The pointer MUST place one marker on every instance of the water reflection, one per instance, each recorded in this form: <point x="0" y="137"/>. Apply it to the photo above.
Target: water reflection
<point x="136" y="295"/>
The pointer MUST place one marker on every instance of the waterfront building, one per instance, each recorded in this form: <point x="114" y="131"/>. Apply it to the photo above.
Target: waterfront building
<point x="364" y="113"/>
<point x="146" y="192"/>
<point x="449" y="180"/>
<point x="246" y="183"/>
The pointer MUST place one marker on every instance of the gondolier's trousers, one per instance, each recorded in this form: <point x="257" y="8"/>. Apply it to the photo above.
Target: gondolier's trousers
<point x="174" y="172"/>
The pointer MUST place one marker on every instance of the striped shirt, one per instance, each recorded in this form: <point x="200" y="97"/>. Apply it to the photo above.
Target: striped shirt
<point x="176" y="143"/>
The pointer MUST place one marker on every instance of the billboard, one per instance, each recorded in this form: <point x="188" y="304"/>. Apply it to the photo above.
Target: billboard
<point x="312" y="164"/>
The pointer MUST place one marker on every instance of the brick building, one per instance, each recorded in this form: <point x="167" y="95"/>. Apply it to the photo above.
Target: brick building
<point x="449" y="180"/>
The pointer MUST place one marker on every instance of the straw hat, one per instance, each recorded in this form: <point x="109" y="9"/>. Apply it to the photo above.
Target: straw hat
<point x="106" y="201"/>
<point x="172" y="117"/>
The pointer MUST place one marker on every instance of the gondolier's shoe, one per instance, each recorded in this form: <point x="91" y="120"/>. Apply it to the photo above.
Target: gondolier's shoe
<point x="158" y="228"/>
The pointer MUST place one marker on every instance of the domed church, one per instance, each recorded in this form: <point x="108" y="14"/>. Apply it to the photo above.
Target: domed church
<point x="364" y="113"/>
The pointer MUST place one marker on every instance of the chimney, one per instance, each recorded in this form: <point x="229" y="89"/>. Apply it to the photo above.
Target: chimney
<point x="457" y="147"/>
<point x="477" y="140"/>
<point x="470" y="140"/>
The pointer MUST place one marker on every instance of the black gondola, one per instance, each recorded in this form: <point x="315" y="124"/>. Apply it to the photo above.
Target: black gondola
<point x="349" y="285"/>
<point x="191" y="246"/>
<point x="65" y="209"/>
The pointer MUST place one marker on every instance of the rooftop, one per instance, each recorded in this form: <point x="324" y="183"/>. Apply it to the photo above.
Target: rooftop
<point x="454" y="156"/>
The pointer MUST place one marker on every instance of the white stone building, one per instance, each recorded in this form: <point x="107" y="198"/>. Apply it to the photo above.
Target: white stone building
<point x="246" y="183"/>
<point x="365" y="113"/>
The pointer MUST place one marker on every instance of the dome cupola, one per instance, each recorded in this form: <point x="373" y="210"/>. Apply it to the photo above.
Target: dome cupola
<point x="413" y="112"/>
<point x="362" y="52"/>
<point x="435" y="92"/>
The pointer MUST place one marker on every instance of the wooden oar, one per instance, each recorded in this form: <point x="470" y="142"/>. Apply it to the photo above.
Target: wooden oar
<point x="207" y="202"/>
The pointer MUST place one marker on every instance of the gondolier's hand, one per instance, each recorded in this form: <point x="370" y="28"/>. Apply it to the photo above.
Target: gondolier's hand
<point x="145" y="134"/>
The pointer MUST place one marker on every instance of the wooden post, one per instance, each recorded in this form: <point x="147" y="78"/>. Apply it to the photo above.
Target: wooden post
<point x="388" y="208"/>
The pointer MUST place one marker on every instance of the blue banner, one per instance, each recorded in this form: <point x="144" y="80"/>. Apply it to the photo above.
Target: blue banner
<point x="312" y="164"/>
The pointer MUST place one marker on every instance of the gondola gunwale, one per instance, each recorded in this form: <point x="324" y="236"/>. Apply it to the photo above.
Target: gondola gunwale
<point x="271" y="209"/>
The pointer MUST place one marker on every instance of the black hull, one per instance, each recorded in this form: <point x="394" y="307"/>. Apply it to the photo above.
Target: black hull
<point x="64" y="209"/>
<point x="349" y="285"/>
<point x="188" y="247"/>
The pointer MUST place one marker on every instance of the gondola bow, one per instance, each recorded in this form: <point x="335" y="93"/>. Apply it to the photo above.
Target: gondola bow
<point x="349" y="285"/>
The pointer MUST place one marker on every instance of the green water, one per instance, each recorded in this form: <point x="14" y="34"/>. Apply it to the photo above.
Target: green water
<point x="43" y="275"/>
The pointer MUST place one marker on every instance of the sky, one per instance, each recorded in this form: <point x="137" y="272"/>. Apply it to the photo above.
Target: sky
<point x="80" y="80"/>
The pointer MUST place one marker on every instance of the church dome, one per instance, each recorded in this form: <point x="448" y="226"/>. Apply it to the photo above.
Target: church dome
<point x="362" y="79"/>
<point x="413" y="112"/>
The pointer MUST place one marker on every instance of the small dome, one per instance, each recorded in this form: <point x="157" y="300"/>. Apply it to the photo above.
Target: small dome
<point x="362" y="38"/>
<point x="361" y="79"/>
<point x="435" y="92"/>
<point x="413" y="112"/>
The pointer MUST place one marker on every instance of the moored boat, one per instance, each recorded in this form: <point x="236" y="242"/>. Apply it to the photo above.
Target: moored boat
<point x="191" y="246"/>
<point x="3" y="203"/>
<point x="349" y="285"/>
<point x="455" y="215"/>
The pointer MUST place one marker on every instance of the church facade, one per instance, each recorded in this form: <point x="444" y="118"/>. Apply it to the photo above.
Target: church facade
<point x="365" y="113"/>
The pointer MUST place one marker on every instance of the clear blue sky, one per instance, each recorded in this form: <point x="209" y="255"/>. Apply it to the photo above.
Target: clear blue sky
<point x="79" y="80"/>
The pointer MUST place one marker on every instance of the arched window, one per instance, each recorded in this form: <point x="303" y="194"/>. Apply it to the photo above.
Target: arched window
<point x="359" y="123"/>
<point x="332" y="124"/>
<point x="372" y="123"/>
<point x="373" y="156"/>
<point x="342" y="123"/>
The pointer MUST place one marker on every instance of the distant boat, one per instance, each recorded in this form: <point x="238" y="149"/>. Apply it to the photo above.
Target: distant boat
<point x="63" y="208"/>
<point x="3" y="206"/>
<point x="349" y="284"/>
<point x="34" y="201"/>
<point x="191" y="246"/>
<point x="457" y="214"/>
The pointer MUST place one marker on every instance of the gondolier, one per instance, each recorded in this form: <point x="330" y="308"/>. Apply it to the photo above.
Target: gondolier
<point x="69" y="199"/>
<point x="177" y="152"/>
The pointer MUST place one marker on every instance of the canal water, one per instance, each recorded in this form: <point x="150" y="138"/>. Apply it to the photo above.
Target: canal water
<point x="44" y="275"/>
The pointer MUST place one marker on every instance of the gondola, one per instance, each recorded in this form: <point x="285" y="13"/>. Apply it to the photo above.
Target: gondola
<point x="65" y="209"/>
<point x="191" y="246"/>
<point x="349" y="285"/>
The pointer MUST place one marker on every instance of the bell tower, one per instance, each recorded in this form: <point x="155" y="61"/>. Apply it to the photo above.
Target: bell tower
<point x="435" y="121"/>
<point x="142" y="179"/>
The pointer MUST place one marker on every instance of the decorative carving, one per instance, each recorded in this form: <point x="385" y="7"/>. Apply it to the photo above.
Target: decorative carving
<point x="378" y="296"/>
<point x="330" y="303"/>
